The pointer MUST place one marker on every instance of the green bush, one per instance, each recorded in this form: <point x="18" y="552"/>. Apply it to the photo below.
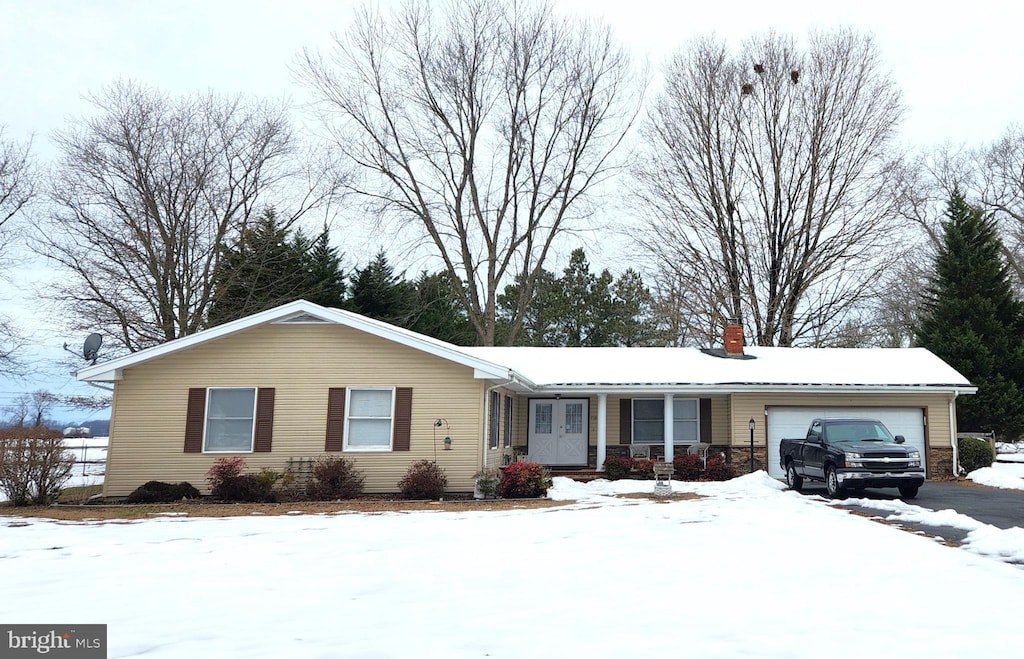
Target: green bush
<point x="160" y="492"/>
<point x="334" y="477"/>
<point x="524" y="480"/>
<point x="974" y="453"/>
<point x="617" y="466"/>
<point x="423" y="480"/>
<point x="487" y="480"/>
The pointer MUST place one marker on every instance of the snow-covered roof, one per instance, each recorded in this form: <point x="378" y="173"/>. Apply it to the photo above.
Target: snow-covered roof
<point x="298" y="312"/>
<point x="609" y="369"/>
<point x="690" y="367"/>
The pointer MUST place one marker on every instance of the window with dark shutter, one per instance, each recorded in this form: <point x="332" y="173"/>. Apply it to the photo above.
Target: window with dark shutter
<point x="264" y="420"/>
<point x="335" y="419"/>
<point x="705" y="420"/>
<point x="195" y="420"/>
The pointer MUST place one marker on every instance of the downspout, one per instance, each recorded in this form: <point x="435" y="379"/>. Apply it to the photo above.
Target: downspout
<point x="952" y="433"/>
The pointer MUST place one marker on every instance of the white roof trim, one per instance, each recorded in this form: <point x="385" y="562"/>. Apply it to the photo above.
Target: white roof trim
<point x="111" y="370"/>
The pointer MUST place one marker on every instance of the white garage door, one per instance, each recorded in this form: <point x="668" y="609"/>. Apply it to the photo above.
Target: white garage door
<point x="793" y="422"/>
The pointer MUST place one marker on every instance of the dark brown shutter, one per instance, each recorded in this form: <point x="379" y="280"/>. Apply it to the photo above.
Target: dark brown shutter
<point x="403" y="419"/>
<point x="264" y="420"/>
<point x="335" y="419"/>
<point x="626" y="421"/>
<point x="705" y="420"/>
<point x="195" y="418"/>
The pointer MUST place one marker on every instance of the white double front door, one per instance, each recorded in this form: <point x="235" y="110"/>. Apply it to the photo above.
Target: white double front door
<point x="558" y="433"/>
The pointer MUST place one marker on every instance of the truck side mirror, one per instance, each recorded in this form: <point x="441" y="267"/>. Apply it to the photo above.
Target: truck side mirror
<point x="900" y="439"/>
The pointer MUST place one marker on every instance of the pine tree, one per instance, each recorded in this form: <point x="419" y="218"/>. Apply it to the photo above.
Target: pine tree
<point x="437" y="312"/>
<point x="263" y="269"/>
<point x="325" y="278"/>
<point x="973" y="321"/>
<point x="377" y="292"/>
<point x="634" y="324"/>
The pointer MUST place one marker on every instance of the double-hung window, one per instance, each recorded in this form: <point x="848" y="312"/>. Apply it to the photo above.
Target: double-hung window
<point x="649" y="421"/>
<point x="230" y="412"/>
<point x="495" y="417"/>
<point x="369" y="419"/>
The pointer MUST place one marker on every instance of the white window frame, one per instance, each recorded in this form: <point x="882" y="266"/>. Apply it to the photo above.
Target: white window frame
<point x="508" y="421"/>
<point x="252" y="427"/>
<point x="345" y="446"/>
<point x="676" y="441"/>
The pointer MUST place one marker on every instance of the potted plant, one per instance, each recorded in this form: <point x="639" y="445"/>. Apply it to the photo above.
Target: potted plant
<point x="486" y="485"/>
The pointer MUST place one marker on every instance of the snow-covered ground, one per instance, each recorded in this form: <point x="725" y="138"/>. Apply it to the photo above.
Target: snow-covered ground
<point x="1007" y="472"/>
<point x="750" y="570"/>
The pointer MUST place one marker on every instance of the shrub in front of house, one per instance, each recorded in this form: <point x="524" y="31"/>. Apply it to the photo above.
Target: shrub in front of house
<point x="228" y="482"/>
<point x="687" y="467"/>
<point x="423" y="480"/>
<point x="524" y="480"/>
<point x="487" y="482"/>
<point x="718" y="469"/>
<point x="617" y="466"/>
<point x="974" y="453"/>
<point x="34" y="465"/>
<point x="334" y="477"/>
<point x="160" y="492"/>
<point x="643" y="468"/>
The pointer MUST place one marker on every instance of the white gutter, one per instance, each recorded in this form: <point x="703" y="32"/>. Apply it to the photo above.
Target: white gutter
<point x="598" y="388"/>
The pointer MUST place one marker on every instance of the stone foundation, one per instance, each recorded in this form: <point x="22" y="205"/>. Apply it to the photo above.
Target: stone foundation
<point x="739" y="458"/>
<point x="940" y="462"/>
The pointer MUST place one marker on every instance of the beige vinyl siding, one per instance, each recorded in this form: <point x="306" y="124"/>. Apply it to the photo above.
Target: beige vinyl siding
<point x="720" y="429"/>
<point x="747" y="406"/>
<point x="301" y="361"/>
<point x="495" y="457"/>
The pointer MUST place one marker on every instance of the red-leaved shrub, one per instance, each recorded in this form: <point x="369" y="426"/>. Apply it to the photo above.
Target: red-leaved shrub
<point x="643" y="468"/>
<point x="617" y="466"/>
<point x="334" y="477"/>
<point x="524" y="480"/>
<point x="688" y="466"/>
<point x="718" y="470"/>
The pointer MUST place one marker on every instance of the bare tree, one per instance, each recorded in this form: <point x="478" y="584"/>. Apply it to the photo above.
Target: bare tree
<point x="1000" y="188"/>
<point x="148" y="191"/>
<point x="17" y="189"/>
<point x="767" y="178"/>
<point x="485" y="128"/>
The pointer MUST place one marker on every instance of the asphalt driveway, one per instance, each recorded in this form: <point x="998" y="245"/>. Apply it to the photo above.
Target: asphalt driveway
<point x="1001" y="508"/>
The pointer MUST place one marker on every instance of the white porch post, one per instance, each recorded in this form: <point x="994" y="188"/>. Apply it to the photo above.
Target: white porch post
<point x="602" y="430"/>
<point x="669" y="417"/>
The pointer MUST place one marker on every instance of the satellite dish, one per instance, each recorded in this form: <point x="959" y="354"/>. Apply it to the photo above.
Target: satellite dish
<point x="92" y="347"/>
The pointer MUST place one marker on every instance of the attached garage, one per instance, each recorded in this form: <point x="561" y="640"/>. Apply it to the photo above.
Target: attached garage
<point x="793" y="422"/>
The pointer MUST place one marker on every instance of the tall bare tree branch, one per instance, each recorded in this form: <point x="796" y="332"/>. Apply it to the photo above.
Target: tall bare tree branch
<point x="767" y="179"/>
<point x="484" y="126"/>
<point x="148" y="191"/>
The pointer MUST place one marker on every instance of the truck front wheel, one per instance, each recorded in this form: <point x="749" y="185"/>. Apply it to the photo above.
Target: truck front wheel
<point x="794" y="481"/>
<point x="908" y="491"/>
<point x="832" y="486"/>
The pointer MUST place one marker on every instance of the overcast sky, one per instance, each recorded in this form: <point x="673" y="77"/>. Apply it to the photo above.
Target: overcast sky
<point x="960" y="67"/>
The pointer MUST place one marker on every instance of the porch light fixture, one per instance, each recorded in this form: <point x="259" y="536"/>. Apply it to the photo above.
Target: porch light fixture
<point x="751" y="425"/>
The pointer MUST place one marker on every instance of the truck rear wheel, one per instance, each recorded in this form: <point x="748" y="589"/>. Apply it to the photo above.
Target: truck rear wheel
<point x="794" y="481"/>
<point x="832" y="486"/>
<point x="908" y="491"/>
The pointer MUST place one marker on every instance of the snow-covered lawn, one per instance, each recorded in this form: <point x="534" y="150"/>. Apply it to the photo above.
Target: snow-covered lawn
<point x="749" y="570"/>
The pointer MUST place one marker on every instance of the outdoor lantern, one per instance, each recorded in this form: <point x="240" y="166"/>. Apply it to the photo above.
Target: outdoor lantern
<point x="447" y="443"/>
<point x="752" y="424"/>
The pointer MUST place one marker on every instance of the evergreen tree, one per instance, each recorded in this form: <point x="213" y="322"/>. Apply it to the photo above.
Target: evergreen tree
<point x="973" y="321"/>
<point x="634" y="315"/>
<point x="263" y="269"/>
<point x="586" y="305"/>
<point x="437" y="312"/>
<point x="377" y="292"/>
<point x="325" y="278"/>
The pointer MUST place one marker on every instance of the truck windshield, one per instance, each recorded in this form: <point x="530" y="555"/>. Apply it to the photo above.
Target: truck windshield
<point x="857" y="431"/>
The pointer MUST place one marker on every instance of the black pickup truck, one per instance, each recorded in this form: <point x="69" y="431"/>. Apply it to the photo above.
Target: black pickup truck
<point x="851" y="454"/>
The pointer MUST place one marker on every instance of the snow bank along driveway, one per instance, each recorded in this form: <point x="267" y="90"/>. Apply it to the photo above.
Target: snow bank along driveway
<point x="749" y="570"/>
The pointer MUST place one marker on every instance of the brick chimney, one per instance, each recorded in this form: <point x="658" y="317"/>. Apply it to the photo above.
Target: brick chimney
<point x="733" y="340"/>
